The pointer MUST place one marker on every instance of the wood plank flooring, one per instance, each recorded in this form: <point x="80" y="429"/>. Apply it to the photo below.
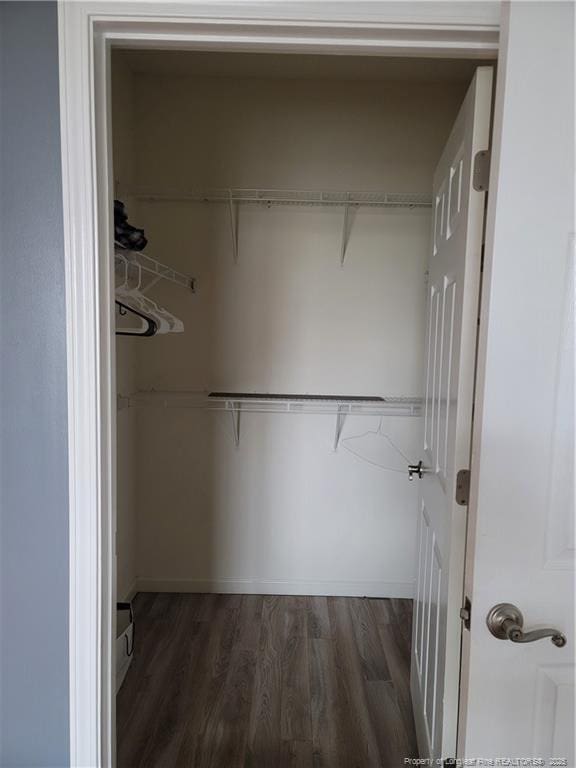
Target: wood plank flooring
<point x="250" y="681"/>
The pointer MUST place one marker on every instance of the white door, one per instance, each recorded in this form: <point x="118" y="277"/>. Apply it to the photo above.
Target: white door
<point x="452" y="318"/>
<point x="520" y="700"/>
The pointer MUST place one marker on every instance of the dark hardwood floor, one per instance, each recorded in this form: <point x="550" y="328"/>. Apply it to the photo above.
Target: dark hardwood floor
<point x="249" y="681"/>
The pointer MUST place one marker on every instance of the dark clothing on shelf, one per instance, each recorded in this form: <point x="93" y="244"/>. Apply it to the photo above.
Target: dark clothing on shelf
<point x="124" y="233"/>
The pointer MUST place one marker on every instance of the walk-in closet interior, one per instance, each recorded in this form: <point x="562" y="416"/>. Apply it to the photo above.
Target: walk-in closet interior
<point x="270" y="324"/>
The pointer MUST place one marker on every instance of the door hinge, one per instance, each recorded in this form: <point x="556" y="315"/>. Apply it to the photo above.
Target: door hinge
<point x="463" y="487"/>
<point x="481" y="170"/>
<point x="466" y="613"/>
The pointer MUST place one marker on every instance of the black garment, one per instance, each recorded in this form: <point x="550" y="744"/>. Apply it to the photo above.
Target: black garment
<point x="125" y="234"/>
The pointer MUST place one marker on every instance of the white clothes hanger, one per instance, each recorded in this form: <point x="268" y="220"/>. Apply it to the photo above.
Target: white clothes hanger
<point x="146" y="327"/>
<point x="132" y="297"/>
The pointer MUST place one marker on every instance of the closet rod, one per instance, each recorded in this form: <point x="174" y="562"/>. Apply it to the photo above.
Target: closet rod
<point x="270" y="197"/>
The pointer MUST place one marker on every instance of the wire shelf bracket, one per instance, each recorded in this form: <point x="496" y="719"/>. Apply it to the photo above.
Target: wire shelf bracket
<point x="235" y="410"/>
<point x="233" y="212"/>
<point x="347" y="223"/>
<point x="340" y="419"/>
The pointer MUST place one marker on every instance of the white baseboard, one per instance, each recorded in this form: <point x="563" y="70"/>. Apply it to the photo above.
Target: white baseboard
<point x="131" y="593"/>
<point x="274" y="587"/>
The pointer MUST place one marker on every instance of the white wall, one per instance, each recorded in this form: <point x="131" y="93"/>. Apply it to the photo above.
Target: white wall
<point x="283" y="512"/>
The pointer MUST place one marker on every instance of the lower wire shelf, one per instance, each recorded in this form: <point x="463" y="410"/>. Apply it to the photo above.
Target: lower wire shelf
<point x="236" y="403"/>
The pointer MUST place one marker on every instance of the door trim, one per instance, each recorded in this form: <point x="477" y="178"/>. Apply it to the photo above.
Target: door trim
<point x="87" y="30"/>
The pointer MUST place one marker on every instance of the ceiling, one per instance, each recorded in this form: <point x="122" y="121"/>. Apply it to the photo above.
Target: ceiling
<point x="292" y="66"/>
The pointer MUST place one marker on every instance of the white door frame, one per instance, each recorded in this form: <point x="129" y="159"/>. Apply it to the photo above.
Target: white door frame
<point x="87" y="30"/>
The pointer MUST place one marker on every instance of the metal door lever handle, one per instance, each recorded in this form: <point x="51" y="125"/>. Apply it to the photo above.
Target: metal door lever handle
<point x="505" y="621"/>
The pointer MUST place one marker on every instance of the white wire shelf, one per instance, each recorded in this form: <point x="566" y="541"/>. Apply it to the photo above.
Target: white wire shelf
<point x="235" y="404"/>
<point x="141" y="261"/>
<point x="294" y="197"/>
<point x="397" y="406"/>
<point x="350" y="201"/>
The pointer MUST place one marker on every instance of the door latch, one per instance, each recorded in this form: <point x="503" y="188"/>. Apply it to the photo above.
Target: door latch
<point x="416" y="470"/>
<point x="466" y="613"/>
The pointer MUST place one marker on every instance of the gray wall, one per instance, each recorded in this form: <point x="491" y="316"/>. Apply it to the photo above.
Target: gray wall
<point x="33" y="443"/>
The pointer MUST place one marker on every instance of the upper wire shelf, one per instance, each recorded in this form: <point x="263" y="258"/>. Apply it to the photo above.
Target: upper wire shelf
<point x="295" y="197"/>
<point x="349" y="201"/>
